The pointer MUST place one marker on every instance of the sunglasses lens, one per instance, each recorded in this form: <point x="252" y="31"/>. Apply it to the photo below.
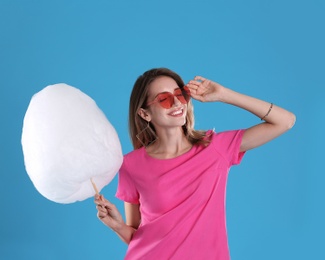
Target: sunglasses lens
<point x="166" y="100"/>
<point x="186" y="93"/>
<point x="179" y="94"/>
<point x="183" y="94"/>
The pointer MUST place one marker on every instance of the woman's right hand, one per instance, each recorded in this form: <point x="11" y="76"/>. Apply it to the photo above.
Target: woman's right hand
<point x="108" y="213"/>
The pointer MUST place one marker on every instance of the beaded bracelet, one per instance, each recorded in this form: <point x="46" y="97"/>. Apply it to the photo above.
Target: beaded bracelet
<point x="268" y="112"/>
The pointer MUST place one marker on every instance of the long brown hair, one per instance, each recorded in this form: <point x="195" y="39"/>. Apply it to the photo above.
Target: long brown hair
<point x="138" y="100"/>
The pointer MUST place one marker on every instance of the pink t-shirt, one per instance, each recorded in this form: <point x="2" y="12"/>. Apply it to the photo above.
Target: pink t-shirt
<point x="182" y="200"/>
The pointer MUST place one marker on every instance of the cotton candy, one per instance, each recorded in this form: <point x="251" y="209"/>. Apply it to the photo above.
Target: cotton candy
<point x="67" y="141"/>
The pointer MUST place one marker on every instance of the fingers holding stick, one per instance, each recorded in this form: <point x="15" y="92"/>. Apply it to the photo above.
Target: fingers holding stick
<point x="98" y="197"/>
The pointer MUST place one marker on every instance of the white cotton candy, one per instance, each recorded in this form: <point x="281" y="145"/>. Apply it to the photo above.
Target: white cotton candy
<point x="67" y="141"/>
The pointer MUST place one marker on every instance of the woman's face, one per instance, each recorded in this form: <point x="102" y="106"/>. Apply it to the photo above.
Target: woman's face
<point x="161" y="117"/>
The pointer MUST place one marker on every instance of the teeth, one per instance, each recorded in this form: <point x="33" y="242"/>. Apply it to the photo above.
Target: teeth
<point x="178" y="112"/>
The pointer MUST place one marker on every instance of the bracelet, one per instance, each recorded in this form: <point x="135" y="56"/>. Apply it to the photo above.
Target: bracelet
<point x="268" y="112"/>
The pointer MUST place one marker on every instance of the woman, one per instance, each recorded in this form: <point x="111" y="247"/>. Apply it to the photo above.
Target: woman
<point x="173" y="183"/>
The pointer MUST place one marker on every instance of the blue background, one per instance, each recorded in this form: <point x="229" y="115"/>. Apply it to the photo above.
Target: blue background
<point x="273" y="50"/>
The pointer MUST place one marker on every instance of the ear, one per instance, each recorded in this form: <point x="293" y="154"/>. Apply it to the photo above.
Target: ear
<point x="143" y="113"/>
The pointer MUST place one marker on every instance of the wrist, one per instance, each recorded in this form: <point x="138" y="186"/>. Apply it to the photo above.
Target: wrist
<point x="125" y="232"/>
<point x="119" y="227"/>
<point x="225" y="94"/>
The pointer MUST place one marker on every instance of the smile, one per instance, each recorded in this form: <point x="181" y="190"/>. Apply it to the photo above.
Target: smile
<point x="178" y="112"/>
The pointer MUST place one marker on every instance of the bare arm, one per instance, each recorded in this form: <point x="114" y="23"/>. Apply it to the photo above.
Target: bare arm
<point x="277" y="121"/>
<point x="111" y="217"/>
<point x="132" y="214"/>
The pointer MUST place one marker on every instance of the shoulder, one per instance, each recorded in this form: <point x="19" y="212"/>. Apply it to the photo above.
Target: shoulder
<point x="133" y="157"/>
<point x="227" y="133"/>
<point x="225" y="137"/>
<point x="134" y="153"/>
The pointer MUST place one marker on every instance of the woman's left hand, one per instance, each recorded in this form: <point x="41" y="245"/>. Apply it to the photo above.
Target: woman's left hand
<point x="205" y="90"/>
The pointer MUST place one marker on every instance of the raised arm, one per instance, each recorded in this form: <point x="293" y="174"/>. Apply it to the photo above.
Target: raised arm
<point x="277" y="120"/>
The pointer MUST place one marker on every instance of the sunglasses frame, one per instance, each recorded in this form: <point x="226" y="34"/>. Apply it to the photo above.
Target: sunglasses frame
<point x="185" y="92"/>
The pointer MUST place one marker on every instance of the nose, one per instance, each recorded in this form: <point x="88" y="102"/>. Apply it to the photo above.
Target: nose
<point x="176" y="101"/>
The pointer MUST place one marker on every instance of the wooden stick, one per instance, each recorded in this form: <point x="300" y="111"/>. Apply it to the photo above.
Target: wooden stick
<point x="94" y="185"/>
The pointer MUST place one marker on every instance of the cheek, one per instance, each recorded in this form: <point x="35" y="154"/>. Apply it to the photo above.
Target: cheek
<point x="160" y="118"/>
<point x="156" y="114"/>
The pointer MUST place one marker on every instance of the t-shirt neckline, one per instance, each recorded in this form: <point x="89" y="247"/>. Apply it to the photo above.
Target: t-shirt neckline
<point x="167" y="159"/>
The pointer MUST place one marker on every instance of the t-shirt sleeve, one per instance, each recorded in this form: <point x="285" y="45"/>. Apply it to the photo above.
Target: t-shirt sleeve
<point x="228" y="145"/>
<point x="126" y="189"/>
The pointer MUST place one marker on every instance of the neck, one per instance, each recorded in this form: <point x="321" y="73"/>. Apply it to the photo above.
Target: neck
<point x="170" y="143"/>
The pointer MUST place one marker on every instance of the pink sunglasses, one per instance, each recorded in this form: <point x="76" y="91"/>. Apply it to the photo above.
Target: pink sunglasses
<point x="166" y="99"/>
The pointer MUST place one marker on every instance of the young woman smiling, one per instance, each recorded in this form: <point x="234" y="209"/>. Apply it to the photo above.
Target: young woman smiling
<point x="173" y="184"/>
